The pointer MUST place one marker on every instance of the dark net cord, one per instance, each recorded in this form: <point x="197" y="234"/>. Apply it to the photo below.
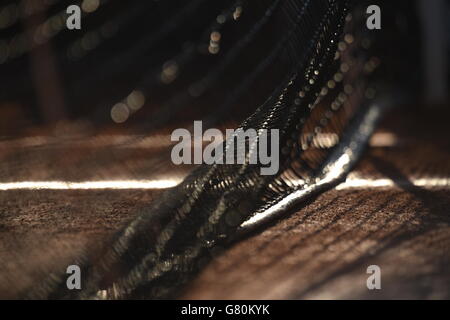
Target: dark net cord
<point x="324" y="110"/>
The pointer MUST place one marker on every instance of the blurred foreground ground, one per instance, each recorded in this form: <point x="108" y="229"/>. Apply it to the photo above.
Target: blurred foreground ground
<point x="393" y="211"/>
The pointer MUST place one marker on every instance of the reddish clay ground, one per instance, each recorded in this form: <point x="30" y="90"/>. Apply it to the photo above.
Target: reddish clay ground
<point x="321" y="250"/>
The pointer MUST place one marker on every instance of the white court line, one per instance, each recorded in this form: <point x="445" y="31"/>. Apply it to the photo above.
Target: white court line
<point x="350" y="183"/>
<point x="360" y="183"/>
<point x="90" y="185"/>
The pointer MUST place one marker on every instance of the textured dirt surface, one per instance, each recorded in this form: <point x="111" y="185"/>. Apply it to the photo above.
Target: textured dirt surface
<point x="396" y="218"/>
<point x="323" y="250"/>
<point x="320" y="250"/>
<point x="43" y="231"/>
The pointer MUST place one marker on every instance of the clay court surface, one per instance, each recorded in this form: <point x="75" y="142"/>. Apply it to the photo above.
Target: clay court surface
<point x="393" y="211"/>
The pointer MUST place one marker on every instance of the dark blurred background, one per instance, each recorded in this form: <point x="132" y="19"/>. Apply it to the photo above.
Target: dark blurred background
<point x="147" y="64"/>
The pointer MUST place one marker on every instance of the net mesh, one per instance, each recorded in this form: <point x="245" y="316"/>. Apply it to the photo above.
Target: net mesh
<point x="304" y="64"/>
